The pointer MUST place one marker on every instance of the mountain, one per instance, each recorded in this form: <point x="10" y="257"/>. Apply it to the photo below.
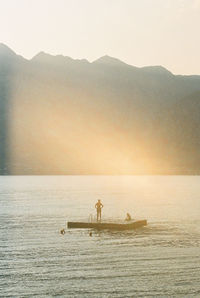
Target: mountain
<point x="59" y="115"/>
<point x="5" y="51"/>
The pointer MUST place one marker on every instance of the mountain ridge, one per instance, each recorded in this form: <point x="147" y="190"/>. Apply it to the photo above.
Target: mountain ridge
<point x="107" y="60"/>
<point x="59" y="115"/>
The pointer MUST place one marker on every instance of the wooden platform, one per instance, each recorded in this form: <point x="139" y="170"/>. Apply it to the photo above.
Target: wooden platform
<point x="109" y="226"/>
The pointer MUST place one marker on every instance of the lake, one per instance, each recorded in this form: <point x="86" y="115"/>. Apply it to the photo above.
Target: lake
<point x="159" y="260"/>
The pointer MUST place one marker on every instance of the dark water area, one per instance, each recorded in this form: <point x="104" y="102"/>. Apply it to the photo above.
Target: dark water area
<point x="160" y="260"/>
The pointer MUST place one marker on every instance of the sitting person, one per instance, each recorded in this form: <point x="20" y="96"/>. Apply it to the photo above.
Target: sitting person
<point x="128" y="217"/>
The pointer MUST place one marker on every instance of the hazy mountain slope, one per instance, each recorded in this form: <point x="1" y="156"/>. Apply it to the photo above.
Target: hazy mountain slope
<point x="64" y="116"/>
<point x="180" y="130"/>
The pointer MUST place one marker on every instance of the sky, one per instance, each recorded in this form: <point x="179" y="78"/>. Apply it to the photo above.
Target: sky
<point x="138" y="32"/>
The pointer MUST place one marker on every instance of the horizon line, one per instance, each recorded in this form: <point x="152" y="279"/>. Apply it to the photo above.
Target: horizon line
<point x="96" y="60"/>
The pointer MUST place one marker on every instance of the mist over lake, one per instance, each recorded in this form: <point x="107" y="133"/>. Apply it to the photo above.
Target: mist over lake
<point x="100" y="148"/>
<point x="60" y="115"/>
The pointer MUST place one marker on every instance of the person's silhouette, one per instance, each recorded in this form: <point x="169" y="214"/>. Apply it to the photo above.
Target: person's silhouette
<point x="98" y="206"/>
<point x="128" y="217"/>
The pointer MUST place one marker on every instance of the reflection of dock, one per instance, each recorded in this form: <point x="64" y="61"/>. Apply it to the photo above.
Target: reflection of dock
<point x="109" y="225"/>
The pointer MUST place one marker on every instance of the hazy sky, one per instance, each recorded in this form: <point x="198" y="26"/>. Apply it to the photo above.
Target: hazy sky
<point x="139" y="32"/>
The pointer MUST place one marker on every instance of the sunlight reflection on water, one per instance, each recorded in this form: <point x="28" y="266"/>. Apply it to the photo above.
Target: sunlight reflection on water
<point x="162" y="259"/>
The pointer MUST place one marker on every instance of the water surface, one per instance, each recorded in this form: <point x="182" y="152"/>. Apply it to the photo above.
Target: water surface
<point x="160" y="260"/>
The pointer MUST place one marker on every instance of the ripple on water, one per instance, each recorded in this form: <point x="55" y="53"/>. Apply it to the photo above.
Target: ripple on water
<point x="161" y="259"/>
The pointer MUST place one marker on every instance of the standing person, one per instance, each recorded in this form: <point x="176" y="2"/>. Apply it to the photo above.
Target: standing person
<point x="98" y="206"/>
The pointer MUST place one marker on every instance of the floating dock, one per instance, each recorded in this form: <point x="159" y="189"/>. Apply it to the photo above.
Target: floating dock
<point x="107" y="225"/>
